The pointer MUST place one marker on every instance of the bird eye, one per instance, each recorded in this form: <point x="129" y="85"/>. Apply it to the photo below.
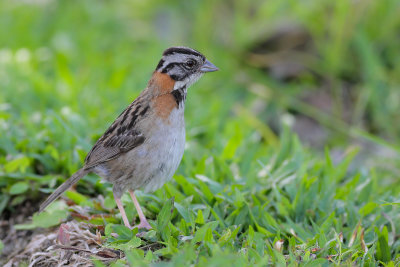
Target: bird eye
<point x="190" y="64"/>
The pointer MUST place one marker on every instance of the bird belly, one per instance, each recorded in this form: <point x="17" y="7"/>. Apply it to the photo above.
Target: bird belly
<point x="166" y="159"/>
<point x="153" y="163"/>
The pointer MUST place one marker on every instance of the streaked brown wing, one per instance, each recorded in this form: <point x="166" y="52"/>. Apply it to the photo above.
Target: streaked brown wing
<point x="119" y="138"/>
<point x="109" y="148"/>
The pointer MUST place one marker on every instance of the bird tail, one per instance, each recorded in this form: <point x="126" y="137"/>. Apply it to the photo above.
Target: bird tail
<point x="67" y="184"/>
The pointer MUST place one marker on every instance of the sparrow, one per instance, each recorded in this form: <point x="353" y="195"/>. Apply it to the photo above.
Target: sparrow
<point x="143" y="147"/>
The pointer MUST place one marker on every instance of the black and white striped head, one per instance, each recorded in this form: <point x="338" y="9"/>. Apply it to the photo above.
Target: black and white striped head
<point x="184" y="65"/>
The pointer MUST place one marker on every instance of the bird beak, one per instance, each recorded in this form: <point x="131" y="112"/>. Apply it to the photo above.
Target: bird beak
<point x="208" y="67"/>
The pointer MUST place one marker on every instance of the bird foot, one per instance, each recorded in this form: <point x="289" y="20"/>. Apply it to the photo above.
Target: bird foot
<point x="143" y="225"/>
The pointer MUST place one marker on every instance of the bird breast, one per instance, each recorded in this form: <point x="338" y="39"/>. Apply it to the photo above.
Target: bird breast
<point x="163" y="150"/>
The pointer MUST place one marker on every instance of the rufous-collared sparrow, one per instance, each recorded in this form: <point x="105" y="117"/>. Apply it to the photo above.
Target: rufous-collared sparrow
<point x="144" y="146"/>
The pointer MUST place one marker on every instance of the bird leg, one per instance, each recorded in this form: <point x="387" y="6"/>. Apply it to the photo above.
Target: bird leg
<point x="122" y="211"/>
<point x="143" y="222"/>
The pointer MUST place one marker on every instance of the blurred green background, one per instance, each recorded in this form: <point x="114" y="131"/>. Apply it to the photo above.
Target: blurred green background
<point x="327" y="71"/>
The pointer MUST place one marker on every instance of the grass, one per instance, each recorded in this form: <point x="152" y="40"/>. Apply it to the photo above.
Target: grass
<point x="247" y="193"/>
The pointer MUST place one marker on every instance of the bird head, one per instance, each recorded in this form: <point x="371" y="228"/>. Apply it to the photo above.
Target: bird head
<point x="184" y="65"/>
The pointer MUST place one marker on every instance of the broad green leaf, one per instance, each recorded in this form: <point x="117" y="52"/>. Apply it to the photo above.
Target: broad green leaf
<point x="201" y="233"/>
<point x="368" y="208"/>
<point x="4" y="198"/>
<point x="53" y="215"/>
<point x="98" y="263"/>
<point x="209" y="236"/>
<point x="200" y="218"/>
<point x="164" y="217"/>
<point x="131" y="244"/>
<point x="109" y="202"/>
<point x="108" y="229"/>
<point x="183" y="211"/>
<point x="124" y="233"/>
<point x="382" y="248"/>
<point x="19" y="188"/>
<point x="19" y="164"/>
<point x="135" y="257"/>
<point x="78" y="198"/>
